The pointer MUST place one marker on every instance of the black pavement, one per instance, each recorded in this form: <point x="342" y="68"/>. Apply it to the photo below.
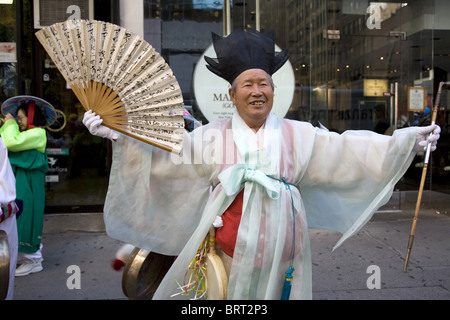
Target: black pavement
<point x="368" y="266"/>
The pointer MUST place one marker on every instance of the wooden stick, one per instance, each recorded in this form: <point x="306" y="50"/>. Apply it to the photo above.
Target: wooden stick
<point x="416" y="216"/>
<point x="83" y="87"/>
<point x="100" y="95"/>
<point x="422" y="181"/>
<point x="212" y="240"/>
<point x="81" y="95"/>
<point x="95" y="94"/>
<point x="109" y="100"/>
<point x="91" y="94"/>
<point x="107" y="96"/>
<point x="155" y="144"/>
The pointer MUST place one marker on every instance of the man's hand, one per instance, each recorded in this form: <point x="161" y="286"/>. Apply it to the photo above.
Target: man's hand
<point x="93" y="123"/>
<point x="427" y="134"/>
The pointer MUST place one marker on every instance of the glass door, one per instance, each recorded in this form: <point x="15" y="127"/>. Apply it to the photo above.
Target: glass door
<point x="365" y="65"/>
<point x="8" y="52"/>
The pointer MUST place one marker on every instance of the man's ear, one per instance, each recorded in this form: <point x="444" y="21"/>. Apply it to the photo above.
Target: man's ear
<point x="232" y="95"/>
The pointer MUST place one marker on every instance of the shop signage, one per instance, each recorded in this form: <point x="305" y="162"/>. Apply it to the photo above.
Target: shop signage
<point x="375" y="87"/>
<point x="8" y="52"/>
<point x="58" y="165"/>
<point x="416" y="99"/>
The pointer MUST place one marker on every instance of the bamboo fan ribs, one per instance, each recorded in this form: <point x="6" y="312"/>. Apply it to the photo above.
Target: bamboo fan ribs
<point x="121" y="77"/>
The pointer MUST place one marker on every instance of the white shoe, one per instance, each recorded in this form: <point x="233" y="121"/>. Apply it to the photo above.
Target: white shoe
<point x="29" y="267"/>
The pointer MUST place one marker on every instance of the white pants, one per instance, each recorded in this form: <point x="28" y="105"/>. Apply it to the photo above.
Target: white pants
<point x="10" y="227"/>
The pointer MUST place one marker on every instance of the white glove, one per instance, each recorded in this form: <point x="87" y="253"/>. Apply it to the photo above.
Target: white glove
<point x="93" y="123"/>
<point x="427" y="134"/>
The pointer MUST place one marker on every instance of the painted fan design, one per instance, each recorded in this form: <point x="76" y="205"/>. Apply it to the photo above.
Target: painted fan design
<point x="121" y="77"/>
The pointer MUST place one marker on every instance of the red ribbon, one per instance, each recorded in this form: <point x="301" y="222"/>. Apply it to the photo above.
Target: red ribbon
<point x="31" y="108"/>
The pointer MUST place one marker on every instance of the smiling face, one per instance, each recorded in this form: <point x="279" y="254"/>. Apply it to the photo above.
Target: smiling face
<point x="252" y="94"/>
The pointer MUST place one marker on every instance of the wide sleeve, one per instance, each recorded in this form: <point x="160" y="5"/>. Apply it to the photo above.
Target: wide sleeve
<point x="350" y="176"/>
<point x="16" y="141"/>
<point x="155" y="199"/>
<point x="7" y="179"/>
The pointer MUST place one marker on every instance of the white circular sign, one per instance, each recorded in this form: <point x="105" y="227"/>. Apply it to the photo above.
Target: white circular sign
<point x="211" y="91"/>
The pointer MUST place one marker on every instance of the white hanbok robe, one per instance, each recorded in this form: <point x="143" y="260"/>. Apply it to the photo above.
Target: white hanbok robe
<point x="167" y="204"/>
<point x="7" y="203"/>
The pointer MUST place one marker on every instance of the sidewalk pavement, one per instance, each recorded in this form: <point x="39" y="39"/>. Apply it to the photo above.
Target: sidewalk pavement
<point x="344" y="273"/>
<point x="374" y="256"/>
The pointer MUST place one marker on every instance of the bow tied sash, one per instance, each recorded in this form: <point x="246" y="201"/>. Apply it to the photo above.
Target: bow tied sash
<point x="233" y="178"/>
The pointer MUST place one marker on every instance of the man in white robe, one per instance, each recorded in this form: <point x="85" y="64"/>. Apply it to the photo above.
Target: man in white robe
<point x="8" y="210"/>
<point x="290" y="175"/>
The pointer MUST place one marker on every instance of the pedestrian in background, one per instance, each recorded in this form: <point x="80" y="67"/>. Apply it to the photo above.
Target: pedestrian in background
<point x="26" y="140"/>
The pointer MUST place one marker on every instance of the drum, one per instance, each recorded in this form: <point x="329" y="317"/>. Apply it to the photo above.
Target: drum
<point x="4" y="265"/>
<point x="145" y="270"/>
<point x="216" y="275"/>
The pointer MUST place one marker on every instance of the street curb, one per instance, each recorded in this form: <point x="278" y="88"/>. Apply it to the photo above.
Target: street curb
<point x="80" y="222"/>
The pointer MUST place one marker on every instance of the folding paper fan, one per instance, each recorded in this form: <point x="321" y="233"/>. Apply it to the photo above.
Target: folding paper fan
<point x="121" y="77"/>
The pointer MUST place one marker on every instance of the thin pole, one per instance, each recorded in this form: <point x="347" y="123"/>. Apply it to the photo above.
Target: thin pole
<point x="258" y="15"/>
<point x="396" y="106"/>
<point x="226" y="17"/>
<point x="422" y="181"/>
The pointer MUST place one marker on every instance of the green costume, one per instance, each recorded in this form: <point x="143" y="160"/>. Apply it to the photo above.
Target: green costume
<point x="30" y="165"/>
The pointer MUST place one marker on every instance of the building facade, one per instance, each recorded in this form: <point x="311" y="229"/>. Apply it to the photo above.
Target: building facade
<point x="354" y="65"/>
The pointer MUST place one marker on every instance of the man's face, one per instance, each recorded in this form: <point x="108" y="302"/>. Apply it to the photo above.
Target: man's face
<point x="253" y="97"/>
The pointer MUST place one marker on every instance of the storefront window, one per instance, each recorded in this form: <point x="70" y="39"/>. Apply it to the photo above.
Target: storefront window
<point x="359" y="65"/>
<point x="356" y="65"/>
<point x="8" y="51"/>
<point x="181" y="31"/>
<point x="79" y="162"/>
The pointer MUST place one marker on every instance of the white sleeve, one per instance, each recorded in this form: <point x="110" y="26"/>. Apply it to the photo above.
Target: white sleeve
<point x="152" y="202"/>
<point x="7" y="179"/>
<point x="350" y="176"/>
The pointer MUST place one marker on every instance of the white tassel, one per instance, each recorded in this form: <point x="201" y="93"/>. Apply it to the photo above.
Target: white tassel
<point x="218" y="223"/>
<point x="122" y="256"/>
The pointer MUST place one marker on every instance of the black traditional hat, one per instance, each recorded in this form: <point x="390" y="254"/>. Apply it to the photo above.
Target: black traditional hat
<point x="242" y="50"/>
